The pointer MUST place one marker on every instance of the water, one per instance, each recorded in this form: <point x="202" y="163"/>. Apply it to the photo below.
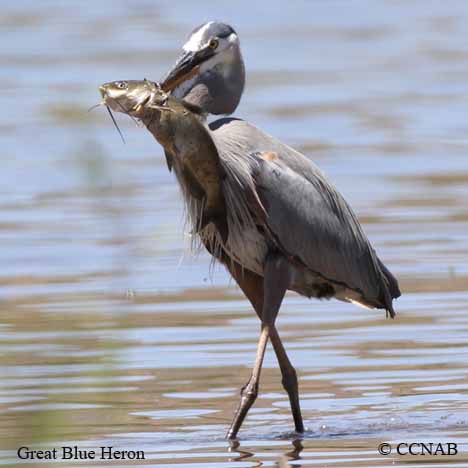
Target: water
<point x="111" y="334"/>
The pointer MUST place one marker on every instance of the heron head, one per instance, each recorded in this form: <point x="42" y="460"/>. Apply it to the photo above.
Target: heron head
<point x="210" y="71"/>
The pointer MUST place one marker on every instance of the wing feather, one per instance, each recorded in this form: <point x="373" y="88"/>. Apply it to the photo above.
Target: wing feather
<point x="313" y="223"/>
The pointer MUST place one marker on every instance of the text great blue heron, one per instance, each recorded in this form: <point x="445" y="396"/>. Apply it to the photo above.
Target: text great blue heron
<point x="298" y="233"/>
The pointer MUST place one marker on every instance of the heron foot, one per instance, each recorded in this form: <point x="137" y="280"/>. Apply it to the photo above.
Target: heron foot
<point x="249" y="393"/>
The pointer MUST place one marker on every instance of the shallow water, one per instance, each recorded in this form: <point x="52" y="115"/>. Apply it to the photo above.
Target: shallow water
<point x="112" y="334"/>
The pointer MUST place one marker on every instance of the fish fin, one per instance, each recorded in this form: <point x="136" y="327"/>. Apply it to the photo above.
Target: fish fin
<point x="168" y="160"/>
<point x="222" y="227"/>
<point x="218" y="219"/>
<point x="192" y="108"/>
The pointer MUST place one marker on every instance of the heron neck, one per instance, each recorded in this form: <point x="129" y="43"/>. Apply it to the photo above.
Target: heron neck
<point x="217" y="90"/>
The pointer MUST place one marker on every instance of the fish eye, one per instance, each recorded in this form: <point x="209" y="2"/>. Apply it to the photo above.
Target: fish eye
<point x="121" y="84"/>
<point x="213" y="44"/>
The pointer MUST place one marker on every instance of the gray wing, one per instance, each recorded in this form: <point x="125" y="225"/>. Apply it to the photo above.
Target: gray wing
<point x="307" y="217"/>
<point x="313" y="224"/>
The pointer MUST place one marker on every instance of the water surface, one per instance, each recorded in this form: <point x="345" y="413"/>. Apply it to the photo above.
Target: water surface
<point x="112" y="333"/>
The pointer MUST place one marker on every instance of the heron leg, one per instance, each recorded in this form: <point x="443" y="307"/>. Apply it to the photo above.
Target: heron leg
<point x="275" y="282"/>
<point x="250" y="391"/>
<point x="252" y="286"/>
<point x="289" y="378"/>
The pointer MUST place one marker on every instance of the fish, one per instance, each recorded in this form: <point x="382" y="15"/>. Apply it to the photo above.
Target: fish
<point x="179" y="127"/>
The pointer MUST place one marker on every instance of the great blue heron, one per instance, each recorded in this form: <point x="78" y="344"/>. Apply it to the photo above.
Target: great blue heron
<point x="298" y="233"/>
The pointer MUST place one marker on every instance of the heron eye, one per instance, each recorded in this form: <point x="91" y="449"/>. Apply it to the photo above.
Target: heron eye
<point x="214" y="43"/>
<point x="121" y="84"/>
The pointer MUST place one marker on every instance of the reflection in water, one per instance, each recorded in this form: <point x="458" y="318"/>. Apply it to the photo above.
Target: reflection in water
<point x="377" y="100"/>
<point x="293" y="455"/>
<point x="282" y="462"/>
<point x="235" y="446"/>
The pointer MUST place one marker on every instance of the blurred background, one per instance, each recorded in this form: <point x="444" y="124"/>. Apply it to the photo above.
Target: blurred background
<point x="113" y="333"/>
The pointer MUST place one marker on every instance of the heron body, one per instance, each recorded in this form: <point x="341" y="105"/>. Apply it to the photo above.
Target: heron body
<point x="288" y="227"/>
<point x="298" y="213"/>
